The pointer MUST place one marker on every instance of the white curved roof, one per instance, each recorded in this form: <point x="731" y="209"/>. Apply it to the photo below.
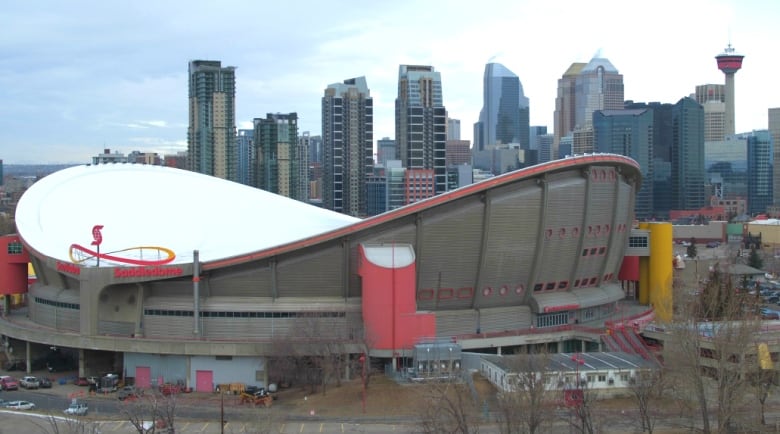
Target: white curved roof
<point x="142" y="205"/>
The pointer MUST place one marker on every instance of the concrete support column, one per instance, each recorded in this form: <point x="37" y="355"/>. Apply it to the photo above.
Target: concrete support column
<point x="560" y="346"/>
<point x="27" y="357"/>
<point x="82" y="362"/>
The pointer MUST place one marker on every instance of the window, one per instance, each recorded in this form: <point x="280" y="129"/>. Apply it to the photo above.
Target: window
<point x="640" y="241"/>
<point x="14" y="248"/>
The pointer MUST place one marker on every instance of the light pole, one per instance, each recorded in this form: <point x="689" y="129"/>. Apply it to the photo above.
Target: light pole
<point x="578" y="360"/>
<point x="450" y="367"/>
<point x="363" y="376"/>
<point x="428" y="360"/>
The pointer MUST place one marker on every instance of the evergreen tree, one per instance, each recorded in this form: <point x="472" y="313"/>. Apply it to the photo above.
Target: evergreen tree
<point x="692" y="248"/>
<point x="755" y="260"/>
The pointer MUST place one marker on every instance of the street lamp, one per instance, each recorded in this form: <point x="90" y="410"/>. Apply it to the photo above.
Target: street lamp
<point x="575" y="397"/>
<point x="428" y="360"/>
<point x="450" y="367"/>
<point x="363" y="376"/>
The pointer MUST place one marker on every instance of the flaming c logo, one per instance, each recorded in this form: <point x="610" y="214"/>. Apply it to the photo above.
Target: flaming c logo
<point x="96" y="235"/>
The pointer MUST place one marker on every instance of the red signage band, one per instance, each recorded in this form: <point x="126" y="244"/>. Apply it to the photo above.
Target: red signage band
<point x="68" y="268"/>
<point x="125" y="273"/>
<point x="561" y="307"/>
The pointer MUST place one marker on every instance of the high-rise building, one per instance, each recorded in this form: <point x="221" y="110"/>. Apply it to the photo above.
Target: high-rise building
<point x="582" y="90"/>
<point x="505" y="110"/>
<point x="453" y="129"/>
<point x="395" y="175"/>
<point x="108" y="157"/>
<point x="774" y="133"/>
<point x="419" y="184"/>
<point x="385" y="150"/>
<point x="729" y="62"/>
<point x="687" y="154"/>
<point x="421" y="122"/>
<point x="760" y="159"/>
<point x="276" y="155"/>
<point x="629" y="132"/>
<point x="713" y="98"/>
<point x="211" y="135"/>
<point x="246" y="157"/>
<point x="458" y="152"/>
<point x="315" y="146"/>
<point x="348" y="145"/>
<point x="726" y="166"/>
<point x="599" y="87"/>
<point x="376" y="192"/>
<point x="563" y="121"/>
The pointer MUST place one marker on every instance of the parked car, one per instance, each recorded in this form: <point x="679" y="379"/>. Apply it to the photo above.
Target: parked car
<point x="20" y="405"/>
<point x="77" y="409"/>
<point x="29" y="382"/>
<point x="127" y="392"/>
<point x="8" y="383"/>
<point x="81" y="381"/>
<point x="45" y="382"/>
<point x="713" y="244"/>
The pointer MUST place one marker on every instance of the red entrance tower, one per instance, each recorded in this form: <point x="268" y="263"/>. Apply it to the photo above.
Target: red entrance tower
<point x="729" y="62"/>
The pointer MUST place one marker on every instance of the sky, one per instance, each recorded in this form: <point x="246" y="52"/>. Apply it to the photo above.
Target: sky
<point x="81" y="76"/>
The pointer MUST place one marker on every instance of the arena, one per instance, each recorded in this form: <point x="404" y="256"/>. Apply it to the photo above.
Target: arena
<point x="168" y="275"/>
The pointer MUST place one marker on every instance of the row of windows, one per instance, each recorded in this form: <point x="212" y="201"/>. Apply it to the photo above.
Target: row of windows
<point x="60" y="304"/>
<point x="552" y="319"/>
<point x="224" y="314"/>
<point x="519" y="289"/>
<point x="15" y="248"/>
<point x="592" y="231"/>
<point x="593" y="251"/>
<point x="640" y="241"/>
<point x="602" y="175"/>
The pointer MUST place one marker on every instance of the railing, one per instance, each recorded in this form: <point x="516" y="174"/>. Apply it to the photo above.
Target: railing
<point x="636" y="343"/>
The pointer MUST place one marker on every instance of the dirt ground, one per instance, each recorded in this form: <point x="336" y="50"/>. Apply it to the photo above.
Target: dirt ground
<point x="384" y="397"/>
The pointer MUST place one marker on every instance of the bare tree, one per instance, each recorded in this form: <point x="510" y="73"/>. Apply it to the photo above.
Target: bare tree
<point x="151" y="413"/>
<point x="581" y="402"/>
<point x="709" y="348"/>
<point x="451" y="409"/>
<point x="529" y="401"/>
<point x="69" y="425"/>
<point x="648" y="388"/>
<point x="763" y="379"/>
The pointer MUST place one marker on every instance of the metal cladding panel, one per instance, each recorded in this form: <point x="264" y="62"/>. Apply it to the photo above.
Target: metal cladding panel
<point x="169" y="287"/>
<point x="504" y="319"/>
<point x="47" y="312"/>
<point x="511" y="245"/>
<point x="167" y="327"/>
<point x="169" y="303"/>
<point x="566" y="204"/>
<point x="43" y="314"/>
<point x="268" y="328"/>
<point x="544" y="302"/>
<point x="589" y="297"/>
<point x="457" y="231"/>
<point x="169" y="368"/>
<point x="248" y="328"/>
<point x="238" y="283"/>
<point x="318" y="273"/>
<point x="116" y="328"/>
<point x="456" y="322"/>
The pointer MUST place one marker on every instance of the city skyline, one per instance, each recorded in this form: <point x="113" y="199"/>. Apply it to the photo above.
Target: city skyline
<point x="75" y="83"/>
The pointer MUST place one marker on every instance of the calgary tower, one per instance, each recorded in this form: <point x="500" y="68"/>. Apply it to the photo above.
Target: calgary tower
<point x="729" y="62"/>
